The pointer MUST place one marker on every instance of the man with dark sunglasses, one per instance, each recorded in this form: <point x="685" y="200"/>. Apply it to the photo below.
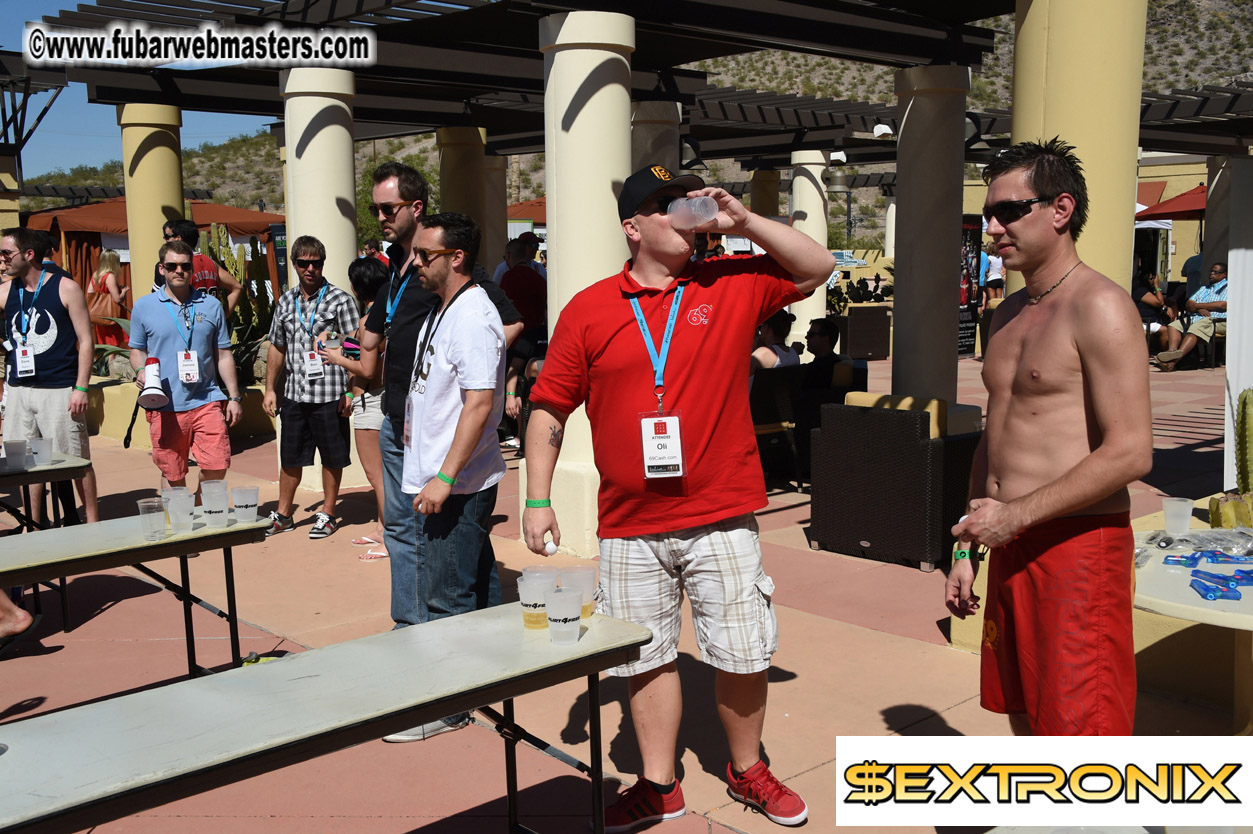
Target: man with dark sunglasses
<point x="1068" y="427"/>
<point x="186" y="330"/>
<point x="207" y="276"/>
<point x="1208" y="307"/>
<point x="315" y="392"/>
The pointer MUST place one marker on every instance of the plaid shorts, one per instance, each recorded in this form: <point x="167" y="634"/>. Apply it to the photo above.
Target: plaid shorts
<point x="643" y="579"/>
<point x="307" y="426"/>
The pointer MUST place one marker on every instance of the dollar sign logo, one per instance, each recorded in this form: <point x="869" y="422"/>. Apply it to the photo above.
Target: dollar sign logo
<point x="871" y="778"/>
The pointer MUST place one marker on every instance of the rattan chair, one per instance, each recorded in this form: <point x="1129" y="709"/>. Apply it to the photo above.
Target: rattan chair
<point x="884" y="489"/>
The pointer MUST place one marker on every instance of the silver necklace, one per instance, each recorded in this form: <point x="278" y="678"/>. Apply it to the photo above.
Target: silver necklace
<point x="1035" y="299"/>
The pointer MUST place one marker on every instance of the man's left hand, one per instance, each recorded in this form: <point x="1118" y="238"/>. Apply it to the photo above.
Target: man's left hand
<point x="78" y="403"/>
<point x="432" y="497"/>
<point x="234" y="412"/>
<point x="989" y="523"/>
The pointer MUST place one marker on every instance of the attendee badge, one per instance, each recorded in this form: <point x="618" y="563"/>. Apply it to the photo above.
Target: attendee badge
<point x="25" y="360"/>
<point x="313" y="365"/>
<point x="188" y="367"/>
<point x="663" y="444"/>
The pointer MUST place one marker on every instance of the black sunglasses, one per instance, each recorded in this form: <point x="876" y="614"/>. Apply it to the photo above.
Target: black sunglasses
<point x="426" y="255"/>
<point x="173" y="267"/>
<point x="663" y="203"/>
<point x="389" y="209"/>
<point x="1007" y="211"/>
<point x="305" y="263"/>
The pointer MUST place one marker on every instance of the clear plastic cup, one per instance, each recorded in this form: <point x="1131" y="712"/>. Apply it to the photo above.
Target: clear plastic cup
<point x="181" y="509"/>
<point x="691" y="212"/>
<point x="1178" y="512"/>
<point x="245" y="501"/>
<point x="15" y="455"/>
<point x="582" y="577"/>
<point x="41" y="449"/>
<point x="213" y="505"/>
<point x="563" y="606"/>
<point x="169" y="493"/>
<point x="151" y="518"/>
<point x="531" y="596"/>
<point x="549" y="572"/>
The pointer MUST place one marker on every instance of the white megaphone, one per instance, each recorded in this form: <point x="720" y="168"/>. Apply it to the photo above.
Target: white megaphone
<point x="152" y="397"/>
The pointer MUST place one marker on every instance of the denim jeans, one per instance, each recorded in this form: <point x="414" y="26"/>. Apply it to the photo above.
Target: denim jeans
<point x="400" y="530"/>
<point x="460" y="564"/>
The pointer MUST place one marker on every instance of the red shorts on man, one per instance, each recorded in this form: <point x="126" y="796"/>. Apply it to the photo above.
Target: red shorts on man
<point x="201" y="430"/>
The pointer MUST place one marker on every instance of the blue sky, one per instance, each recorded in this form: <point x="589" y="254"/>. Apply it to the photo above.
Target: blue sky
<point x="76" y="132"/>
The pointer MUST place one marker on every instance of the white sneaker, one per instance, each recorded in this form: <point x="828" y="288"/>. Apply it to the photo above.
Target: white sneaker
<point x="432" y="728"/>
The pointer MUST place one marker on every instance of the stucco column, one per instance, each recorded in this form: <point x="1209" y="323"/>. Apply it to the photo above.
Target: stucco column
<point x="462" y="176"/>
<point x="587" y="143"/>
<point x="889" y="230"/>
<point x="10" y="198"/>
<point x="1077" y="75"/>
<point x="321" y="193"/>
<point x="763" y="194"/>
<point x="929" y="203"/>
<point x="152" y="172"/>
<point x="655" y="134"/>
<point x="495" y="211"/>
<point x="809" y="215"/>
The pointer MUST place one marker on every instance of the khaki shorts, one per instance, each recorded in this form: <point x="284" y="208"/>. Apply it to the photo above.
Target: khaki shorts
<point x="1203" y="327"/>
<point x="45" y="412"/>
<point x="643" y="580"/>
<point x="367" y="411"/>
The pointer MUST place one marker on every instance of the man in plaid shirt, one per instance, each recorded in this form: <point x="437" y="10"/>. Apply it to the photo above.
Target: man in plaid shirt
<point x="1208" y="307"/>
<point x="314" y="408"/>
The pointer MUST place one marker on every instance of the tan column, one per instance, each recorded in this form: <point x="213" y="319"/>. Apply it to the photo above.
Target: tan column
<point x="495" y="212"/>
<point x="153" y="175"/>
<point x="1077" y="75"/>
<point x="809" y="215"/>
<point x="763" y="194"/>
<point x="655" y="134"/>
<point x="587" y="127"/>
<point x="929" y="203"/>
<point x="321" y="193"/>
<point x="462" y="176"/>
<point x="10" y="198"/>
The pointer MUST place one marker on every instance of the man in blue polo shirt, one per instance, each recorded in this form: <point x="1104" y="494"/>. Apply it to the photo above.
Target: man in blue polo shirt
<point x="186" y="330"/>
<point x="1208" y="307"/>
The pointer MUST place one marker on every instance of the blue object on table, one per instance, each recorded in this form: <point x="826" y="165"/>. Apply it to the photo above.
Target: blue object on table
<point x="1213" y="592"/>
<point x="1215" y="557"/>
<point x="1188" y="560"/>
<point x="1225" y="580"/>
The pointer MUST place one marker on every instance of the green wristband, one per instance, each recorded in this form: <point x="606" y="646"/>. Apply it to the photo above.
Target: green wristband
<point x="538" y="503"/>
<point x="961" y="554"/>
<point x="349" y="394"/>
<point x="445" y="478"/>
<point x="82" y="388"/>
<point x="511" y="393"/>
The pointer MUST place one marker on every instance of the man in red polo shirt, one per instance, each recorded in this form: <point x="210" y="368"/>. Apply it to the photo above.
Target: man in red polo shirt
<point x="659" y="354"/>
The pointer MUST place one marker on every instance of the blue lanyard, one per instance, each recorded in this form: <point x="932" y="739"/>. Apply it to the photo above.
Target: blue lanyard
<point x="313" y="314"/>
<point x="393" y="301"/>
<point x="24" y="326"/>
<point x="658" y="358"/>
<point x="189" y="314"/>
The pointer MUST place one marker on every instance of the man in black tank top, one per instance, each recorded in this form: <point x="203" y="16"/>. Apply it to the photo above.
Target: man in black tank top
<point x="47" y="335"/>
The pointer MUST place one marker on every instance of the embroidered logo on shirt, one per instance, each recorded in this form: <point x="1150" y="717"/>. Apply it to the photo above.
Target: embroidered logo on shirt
<point x="700" y="315"/>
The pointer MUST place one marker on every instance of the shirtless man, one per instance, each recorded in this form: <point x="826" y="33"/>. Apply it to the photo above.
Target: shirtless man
<point x="1069" y="426"/>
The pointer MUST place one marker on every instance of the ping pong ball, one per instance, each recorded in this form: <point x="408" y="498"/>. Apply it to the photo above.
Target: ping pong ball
<point x="550" y="548"/>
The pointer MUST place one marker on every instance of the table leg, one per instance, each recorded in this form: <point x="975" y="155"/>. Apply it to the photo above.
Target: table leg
<point x="187" y="625"/>
<point x="511" y="764"/>
<point x="598" y="774"/>
<point x="232" y="616"/>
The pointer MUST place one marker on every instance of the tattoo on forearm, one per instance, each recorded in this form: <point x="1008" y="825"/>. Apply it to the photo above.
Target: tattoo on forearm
<point x="557" y="434"/>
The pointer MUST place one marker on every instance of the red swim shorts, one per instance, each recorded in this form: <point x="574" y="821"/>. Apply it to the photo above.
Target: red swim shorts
<point x="201" y="431"/>
<point x="1057" y="642"/>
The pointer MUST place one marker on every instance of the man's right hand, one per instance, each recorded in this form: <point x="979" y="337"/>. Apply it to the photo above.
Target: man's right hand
<point x="536" y="522"/>
<point x="269" y="403"/>
<point x="959" y="589"/>
<point x="139" y="378"/>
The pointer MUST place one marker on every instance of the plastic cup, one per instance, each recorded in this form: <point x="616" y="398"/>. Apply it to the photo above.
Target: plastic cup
<point x="691" y="212"/>
<point x="245" y="501"/>
<point x="15" y="455"/>
<point x="181" y="509"/>
<point x="213" y="505"/>
<point x="1178" y="512"/>
<point x="582" y="577"/>
<point x="151" y="518"/>
<point x="563" y="606"/>
<point x="549" y="572"/>
<point x="169" y="493"/>
<point x="41" y="449"/>
<point x="531" y="596"/>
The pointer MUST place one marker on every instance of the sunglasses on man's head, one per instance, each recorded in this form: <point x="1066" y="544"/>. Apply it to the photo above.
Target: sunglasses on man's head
<point x="389" y="209"/>
<point x="173" y="267"/>
<point x="426" y="255"/>
<point x="1007" y="211"/>
<point x="305" y="263"/>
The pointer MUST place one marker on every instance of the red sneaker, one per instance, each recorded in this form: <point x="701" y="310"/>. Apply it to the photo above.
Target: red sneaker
<point x="641" y="804"/>
<point x="759" y="789"/>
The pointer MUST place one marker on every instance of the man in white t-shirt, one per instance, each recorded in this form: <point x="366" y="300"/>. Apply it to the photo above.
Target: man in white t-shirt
<point x="456" y="397"/>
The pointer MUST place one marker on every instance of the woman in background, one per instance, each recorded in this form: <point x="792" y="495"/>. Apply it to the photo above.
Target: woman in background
<point x="772" y="352"/>
<point x="105" y="298"/>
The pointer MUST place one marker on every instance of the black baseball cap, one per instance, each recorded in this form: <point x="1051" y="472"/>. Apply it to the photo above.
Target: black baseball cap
<point x="646" y="182"/>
